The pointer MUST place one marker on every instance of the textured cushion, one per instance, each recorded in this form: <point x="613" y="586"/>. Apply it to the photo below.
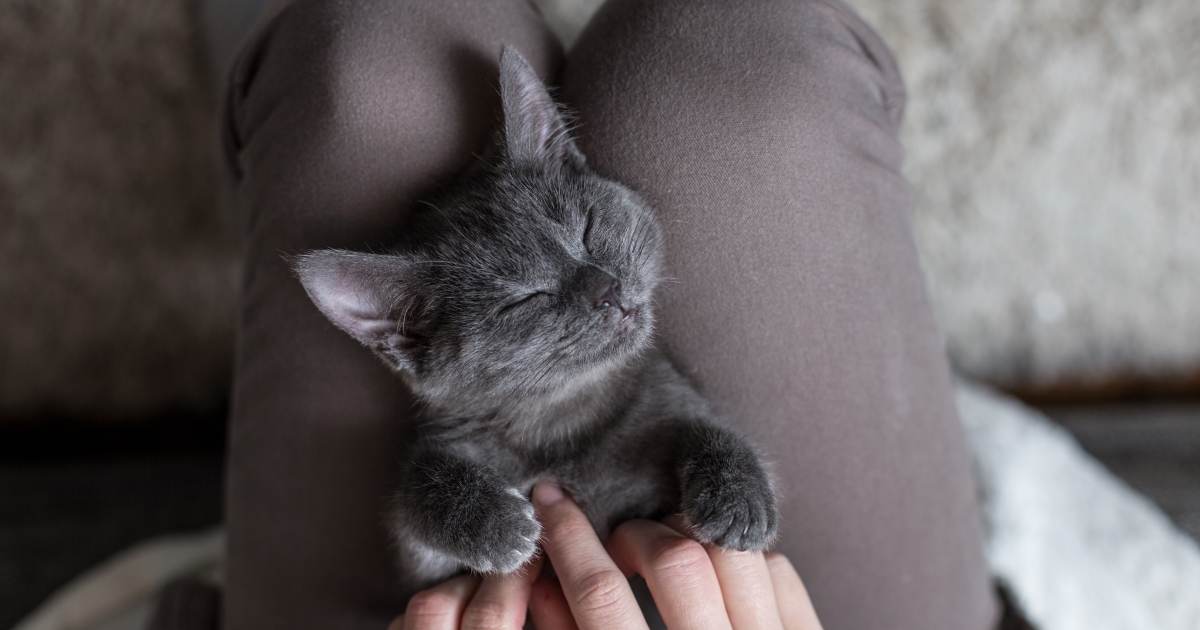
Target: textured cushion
<point x="1055" y="151"/>
<point x="117" y="275"/>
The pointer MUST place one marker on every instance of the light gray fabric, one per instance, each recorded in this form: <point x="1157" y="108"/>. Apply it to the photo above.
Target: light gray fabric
<point x="766" y="134"/>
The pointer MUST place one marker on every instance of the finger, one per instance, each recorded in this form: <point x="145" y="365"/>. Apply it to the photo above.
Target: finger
<point x="548" y="606"/>
<point x="501" y="600"/>
<point x="795" y="608"/>
<point x="441" y="607"/>
<point x="677" y="570"/>
<point x="675" y="522"/>
<point x="597" y="593"/>
<point x="397" y="623"/>
<point x="746" y="588"/>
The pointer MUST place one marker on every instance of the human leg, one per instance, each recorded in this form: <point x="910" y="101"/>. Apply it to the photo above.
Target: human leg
<point x="766" y="134"/>
<point x="339" y="114"/>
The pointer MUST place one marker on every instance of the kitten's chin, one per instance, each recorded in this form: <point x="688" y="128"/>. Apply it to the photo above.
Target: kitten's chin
<point x="631" y="330"/>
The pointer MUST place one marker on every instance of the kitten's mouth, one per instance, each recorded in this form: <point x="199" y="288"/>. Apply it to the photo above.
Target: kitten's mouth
<point x="627" y="321"/>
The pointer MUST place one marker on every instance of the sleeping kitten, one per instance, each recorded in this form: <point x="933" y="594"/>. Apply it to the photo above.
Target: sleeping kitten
<point x="518" y="309"/>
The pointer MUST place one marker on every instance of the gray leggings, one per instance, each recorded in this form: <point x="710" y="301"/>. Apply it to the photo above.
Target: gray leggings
<point x="764" y="131"/>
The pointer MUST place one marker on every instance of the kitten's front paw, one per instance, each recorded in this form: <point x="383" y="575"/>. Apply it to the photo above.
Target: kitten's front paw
<point x="503" y="540"/>
<point x="727" y="498"/>
<point x="731" y="521"/>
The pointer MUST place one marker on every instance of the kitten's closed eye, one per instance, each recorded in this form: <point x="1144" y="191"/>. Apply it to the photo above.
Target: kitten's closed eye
<point x="587" y="232"/>
<point x="524" y="300"/>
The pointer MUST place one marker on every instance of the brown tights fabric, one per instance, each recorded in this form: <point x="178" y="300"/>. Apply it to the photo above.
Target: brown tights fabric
<point x="765" y="132"/>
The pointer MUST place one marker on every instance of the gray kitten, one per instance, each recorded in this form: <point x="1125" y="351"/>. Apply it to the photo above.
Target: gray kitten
<point x="518" y="309"/>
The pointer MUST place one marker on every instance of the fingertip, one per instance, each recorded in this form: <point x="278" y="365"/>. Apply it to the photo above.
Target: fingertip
<point x="554" y="508"/>
<point x="791" y="596"/>
<point x="738" y="564"/>
<point x="442" y="604"/>
<point x="631" y="536"/>
<point x="561" y="518"/>
<point x="502" y="600"/>
<point x="546" y="494"/>
<point x="783" y="574"/>
<point x="778" y="563"/>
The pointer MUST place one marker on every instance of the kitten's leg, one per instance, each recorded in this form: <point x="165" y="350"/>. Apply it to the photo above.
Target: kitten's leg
<point x="465" y="512"/>
<point x="728" y="499"/>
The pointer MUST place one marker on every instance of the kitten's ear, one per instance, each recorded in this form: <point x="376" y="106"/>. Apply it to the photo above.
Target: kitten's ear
<point x="366" y="295"/>
<point x="534" y="130"/>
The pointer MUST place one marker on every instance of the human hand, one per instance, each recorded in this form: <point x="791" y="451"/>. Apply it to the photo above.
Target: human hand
<point x="693" y="586"/>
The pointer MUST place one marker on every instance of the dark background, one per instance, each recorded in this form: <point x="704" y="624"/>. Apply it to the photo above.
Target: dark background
<point x="73" y="494"/>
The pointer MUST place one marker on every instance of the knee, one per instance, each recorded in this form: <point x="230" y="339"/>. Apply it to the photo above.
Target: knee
<point x="848" y="50"/>
<point x="763" y="55"/>
<point x="822" y="52"/>
<point x="417" y="73"/>
<point x="339" y="113"/>
<point x="347" y="68"/>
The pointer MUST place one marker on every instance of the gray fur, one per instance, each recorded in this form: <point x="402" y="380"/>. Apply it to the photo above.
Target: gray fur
<point x="518" y="308"/>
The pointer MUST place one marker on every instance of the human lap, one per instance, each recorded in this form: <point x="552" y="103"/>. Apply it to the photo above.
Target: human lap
<point x="764" y="134"/>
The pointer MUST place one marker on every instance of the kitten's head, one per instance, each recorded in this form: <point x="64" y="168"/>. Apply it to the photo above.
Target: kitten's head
<point x="526" y="279"/>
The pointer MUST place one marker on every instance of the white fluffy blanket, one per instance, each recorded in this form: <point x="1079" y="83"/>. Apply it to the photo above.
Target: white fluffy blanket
<point x="1079" y="549"/>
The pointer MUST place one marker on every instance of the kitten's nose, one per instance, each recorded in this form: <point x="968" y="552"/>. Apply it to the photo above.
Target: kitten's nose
<point x="603" y="289"/>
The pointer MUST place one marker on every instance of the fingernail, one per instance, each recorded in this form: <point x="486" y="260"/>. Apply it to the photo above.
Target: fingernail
<point x="546" y="494"/>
